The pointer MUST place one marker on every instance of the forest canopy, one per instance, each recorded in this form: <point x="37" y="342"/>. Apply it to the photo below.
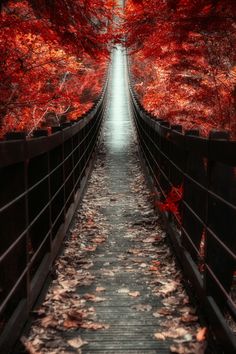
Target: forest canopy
<point x="54" y="56"/>
<point x="184" y="61"/>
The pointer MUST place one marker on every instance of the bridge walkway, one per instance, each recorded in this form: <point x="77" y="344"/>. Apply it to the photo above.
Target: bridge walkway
<point x="116" y="288"/>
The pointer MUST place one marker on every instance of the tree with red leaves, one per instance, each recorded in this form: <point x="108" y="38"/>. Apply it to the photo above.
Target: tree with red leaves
<point x="54" y="56"/>
<point x="80" y="24"/>
<point x="183" y="60"/>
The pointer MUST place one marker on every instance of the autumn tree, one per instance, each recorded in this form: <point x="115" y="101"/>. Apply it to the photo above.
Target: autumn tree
<point x="54" y="57"/>
<point x="183" y="60"/>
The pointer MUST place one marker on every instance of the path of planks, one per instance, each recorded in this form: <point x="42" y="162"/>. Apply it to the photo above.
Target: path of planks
<point x="127" y="209"/>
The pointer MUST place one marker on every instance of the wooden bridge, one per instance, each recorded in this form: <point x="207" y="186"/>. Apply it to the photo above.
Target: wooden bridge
<point x="115" y="287"/>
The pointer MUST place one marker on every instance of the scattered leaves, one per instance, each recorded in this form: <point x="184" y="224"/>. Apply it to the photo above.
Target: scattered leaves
<point x="147" y="266"/>
<point x="172" y="333"/>
<point x="188" y="348"/>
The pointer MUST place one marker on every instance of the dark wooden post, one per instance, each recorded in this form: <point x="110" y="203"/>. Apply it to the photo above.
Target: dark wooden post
<point x="194" y="199"/>
<point x="38" y="210"/>
<point x="68" y="168"/>
<point x="163" y="162"/>
<point x="57" y="189"/>
<point x="177" y="155"/>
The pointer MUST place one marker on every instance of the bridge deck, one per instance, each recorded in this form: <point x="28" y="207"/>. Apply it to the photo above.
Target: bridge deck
<point x="116" y="284"/>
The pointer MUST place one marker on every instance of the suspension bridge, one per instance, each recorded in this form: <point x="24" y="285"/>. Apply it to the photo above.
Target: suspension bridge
<point x="80" y="193"/>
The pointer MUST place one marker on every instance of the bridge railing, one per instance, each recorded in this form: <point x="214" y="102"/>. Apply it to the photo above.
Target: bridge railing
<point x="199" y="173"/>
<point x="42" y="179"/>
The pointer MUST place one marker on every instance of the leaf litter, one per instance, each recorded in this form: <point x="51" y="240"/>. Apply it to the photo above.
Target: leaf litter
<point x="63" y="310"/>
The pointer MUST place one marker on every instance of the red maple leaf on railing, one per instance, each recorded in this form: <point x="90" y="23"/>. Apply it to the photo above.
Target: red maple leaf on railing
<point x="171" y="202"/>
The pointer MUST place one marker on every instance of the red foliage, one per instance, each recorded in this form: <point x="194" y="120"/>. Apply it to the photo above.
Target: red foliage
<point x="53" y="60"/>
<point x="80" y="24"/>
<point x="171" y="202"/>
<point x="183" y="60"/>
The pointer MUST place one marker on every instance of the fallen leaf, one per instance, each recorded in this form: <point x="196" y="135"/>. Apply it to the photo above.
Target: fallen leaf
<point x="149" y="240"/>
<point x="99" y="289"/>
<point x="58" y="293"/>
<point x="48" y="321"/>
<point x="87" y="266"/>
<point x="76" y="342"/>
<point x="94" y="326"/>
<point x="71" y="324"/>
<point x="180" y="331"/>
<point x="134" y="293"/>
<point x="187" y="309"/>
<point x="77" y="315"/>
<point x="99" y="240"/>
<point x="93" y="298"/>
<point x="159" y="336"/>
<point x="143" y="265"/>
<point x="201" y="334"/>
<point x="90" y="223"/>
<point x="142" y="307"/>
<point x="156" y="314"/>
<point x="187" y="318"/>
<point x="168" y="288"/>
<point x="90" y="248"/>
<point x="175" y="332"/>
<point x="123" y="291"/>
<point x="156" y="263"/>
<point x="85" y="283"/>
<point x="68" y="285"/>
<point x="153" y="268"/>
<point x="170" y="301"/>
<point x="162" y="312"/>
